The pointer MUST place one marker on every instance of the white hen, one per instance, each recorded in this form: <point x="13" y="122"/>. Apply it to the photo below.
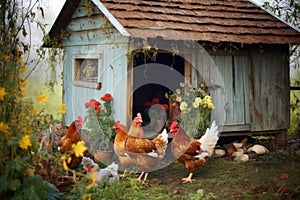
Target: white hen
<point x="110" y="173"/>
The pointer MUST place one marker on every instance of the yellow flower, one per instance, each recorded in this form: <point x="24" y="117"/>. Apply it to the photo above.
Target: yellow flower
<point x="178" y="91"/>
<point x="87" y="197"/>
<point x="29" y="172"/>
<point x="23" y="69"/>
<point x="4" y="128"/>
<point x="93" y="178"/>
<point x="24" y="83"/>
<point x="198" y="100"/>
<point x="6" y="57"/>
<point x="20" y="58"/>
<point x="181" y="84"/>
<point x="211" y="106"/>
<point x="65" y="165"/>
<point x="25" y="142"/>
<point x="207" y="98"/>
<point x="64" y="158"/>
<point x="22" y="93"/>
<point x="63" y="108"/>
<point x="43" y="97"/>
<point x="2" y="93"/>
<point x="178" y="98"/>
<point x="79" y="149"/>
<point x="195" y="104"/>
<point x="69" y="160"/>
<point x="183" y="106"/>
<point x="35" y="111"/>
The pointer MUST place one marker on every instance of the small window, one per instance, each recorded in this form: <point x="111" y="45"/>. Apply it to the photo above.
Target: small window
<point x="87" y="70"/>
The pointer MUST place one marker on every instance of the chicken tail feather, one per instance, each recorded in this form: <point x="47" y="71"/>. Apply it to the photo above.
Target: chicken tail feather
<point x="210" y="138"/>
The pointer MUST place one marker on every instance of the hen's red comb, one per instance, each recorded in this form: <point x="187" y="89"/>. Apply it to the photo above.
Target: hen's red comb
<point x="174" y="125"/>
<point x="79" y="118"/>
<point x="116" y="124"/>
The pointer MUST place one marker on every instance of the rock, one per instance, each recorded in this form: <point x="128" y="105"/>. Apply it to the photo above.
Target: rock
<point x="237" y="145"/>
<point x="252" y="155"/>
<point x="258" y="149"/>
<point x="220" y="152"/>
<point x="238" y="154"/>
<point x="175" y="191"/>
<point x="242" y="158"/>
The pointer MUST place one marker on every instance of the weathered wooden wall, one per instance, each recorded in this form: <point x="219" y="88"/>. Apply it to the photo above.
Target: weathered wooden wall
<point x="94" y="34"/>
<point x="270" y="93"/>
<point x="256" y="80"/>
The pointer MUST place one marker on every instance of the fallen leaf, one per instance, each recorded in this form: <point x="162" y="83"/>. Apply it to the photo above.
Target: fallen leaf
<point x="283" y="176"/>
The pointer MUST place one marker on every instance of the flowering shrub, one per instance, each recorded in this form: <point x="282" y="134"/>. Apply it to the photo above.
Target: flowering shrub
<point x="195" y="106"/>
<point x="100" y="122"/>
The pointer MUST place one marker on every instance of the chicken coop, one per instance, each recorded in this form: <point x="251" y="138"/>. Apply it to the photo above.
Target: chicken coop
<point x="139" y="50"/>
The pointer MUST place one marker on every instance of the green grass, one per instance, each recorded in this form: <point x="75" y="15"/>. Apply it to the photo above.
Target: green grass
<point x="218" y="179"/>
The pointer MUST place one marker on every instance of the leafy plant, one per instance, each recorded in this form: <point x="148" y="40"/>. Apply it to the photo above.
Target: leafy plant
<point x="20" y="121"/>
<point x="195" y="106"/>
<point x="99" y="121"/>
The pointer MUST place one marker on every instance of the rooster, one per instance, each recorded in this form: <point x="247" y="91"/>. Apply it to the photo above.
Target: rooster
<point x="193" y="153"/>
<point x="143" y="152"/>
<point x="110" y="173"/>
<point x="136" y="129"/>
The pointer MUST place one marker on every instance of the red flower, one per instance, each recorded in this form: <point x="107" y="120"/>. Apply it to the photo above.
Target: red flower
<point x="106" y="97"/>
<point x="97" y="110"/>
<point x="155" y="100"/>
<point x="93" y="104"/>
<point x="165" y="106"/>
<point x="148" y="104"/>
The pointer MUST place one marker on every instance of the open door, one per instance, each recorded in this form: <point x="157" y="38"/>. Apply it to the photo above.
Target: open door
<point x="153" y="77"/>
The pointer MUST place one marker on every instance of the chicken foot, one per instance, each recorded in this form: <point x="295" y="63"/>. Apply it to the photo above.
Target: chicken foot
<point x="124" y="173"/>
<point x="141" y="175"/>
<point x="188" y="179"/>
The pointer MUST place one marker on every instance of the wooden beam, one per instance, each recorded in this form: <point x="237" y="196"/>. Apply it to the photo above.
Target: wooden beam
<point x="294" y="87"/>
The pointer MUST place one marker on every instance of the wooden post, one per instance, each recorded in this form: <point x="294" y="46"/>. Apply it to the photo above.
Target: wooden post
<point x="280" y="139"/>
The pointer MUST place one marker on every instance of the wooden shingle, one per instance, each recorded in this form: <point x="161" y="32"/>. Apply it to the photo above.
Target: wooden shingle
<point x="214" y="21"/>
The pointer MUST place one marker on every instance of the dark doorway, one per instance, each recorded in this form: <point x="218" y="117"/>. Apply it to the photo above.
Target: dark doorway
<point x="150" y="73"/>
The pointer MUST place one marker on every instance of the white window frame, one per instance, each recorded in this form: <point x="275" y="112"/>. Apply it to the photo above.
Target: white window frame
<point x="83" y="83"/>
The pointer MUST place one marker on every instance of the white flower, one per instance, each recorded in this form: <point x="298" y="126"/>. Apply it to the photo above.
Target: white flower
<point x="183" y="106"/>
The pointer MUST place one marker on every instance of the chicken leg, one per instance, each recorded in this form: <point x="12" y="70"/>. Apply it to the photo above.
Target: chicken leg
<point x="141" y="175"/>
<point x="124" y="173"/>
<point x="188" y="179"/>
